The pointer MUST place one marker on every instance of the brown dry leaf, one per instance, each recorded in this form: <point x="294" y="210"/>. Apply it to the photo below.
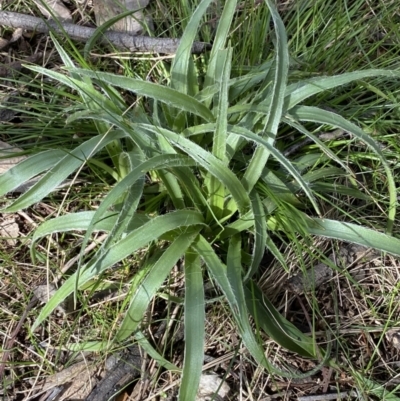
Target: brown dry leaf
<point x="6" y="162"/>
<point x="393" y="337"/>
<point x="106" y="9"/>
<point x="17" y="34"/>
<point x="3" y="43"/>
<point x="9" y="229"/>
<point x="54" y="8"/>
<point x="81" y="387"/>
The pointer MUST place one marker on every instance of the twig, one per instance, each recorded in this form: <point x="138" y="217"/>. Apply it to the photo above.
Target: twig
<point x="323" y="397"/>
<point x="125" y="371"/>
<point x="119" y="40"/>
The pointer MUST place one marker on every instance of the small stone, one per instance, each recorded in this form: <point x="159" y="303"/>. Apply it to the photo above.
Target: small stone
<point x="209" y="384"/>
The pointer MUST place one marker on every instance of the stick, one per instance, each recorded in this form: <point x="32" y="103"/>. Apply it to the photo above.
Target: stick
<point x="120" y="40"/>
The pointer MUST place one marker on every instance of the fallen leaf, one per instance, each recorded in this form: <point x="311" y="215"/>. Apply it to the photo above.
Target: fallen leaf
<point x="54" y="8"/>
<point x="393" y="336"/>
<point x="9" y="229"/>
<point x="106" y="9"/>
<point x="78" y="381"/>
<point x="7" y="156"/>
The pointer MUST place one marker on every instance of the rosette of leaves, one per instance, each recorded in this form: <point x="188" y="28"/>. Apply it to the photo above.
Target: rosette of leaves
<point x="209" y="142"/>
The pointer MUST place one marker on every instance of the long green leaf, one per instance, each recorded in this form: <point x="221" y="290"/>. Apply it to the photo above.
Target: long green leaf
<point x="374" y="388"/>
<point x="100" y="30"/>
<point x="152" y="282"/>
<point x="28" y="168"/>
<point x="299" y="91"/>
<point x="217" y="190"/>
<point x="191" y="186"/>
<point x="354" y="233"/>
<point x="271" y="246"/>
<point x="260" y="234"/>
<point x="242" y="224"/>
<point x="157" y="162"/>
<point x="125" y="217"/>
<point x="282" y="159"/>
<point x="80" y="221"/>
<point x="224" y="26"/>
<point x="153" y="354"/>
<point x="68" y="62"/>
<point x="320" y="144"/>
<point x="238" y="85"/>
<point x="274" y="191"/>
<point x="158" y="92"/>
<point x="194" y="328"/>
<point x="93" y="98"/>
<point x="169" y="180"/>
<point x="275" y="325"/>
<point x="72" y="222"/>
<point x="234" y="292"/>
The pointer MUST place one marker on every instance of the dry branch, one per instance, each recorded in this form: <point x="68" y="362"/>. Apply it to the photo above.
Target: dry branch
<point x="120" y="40"/>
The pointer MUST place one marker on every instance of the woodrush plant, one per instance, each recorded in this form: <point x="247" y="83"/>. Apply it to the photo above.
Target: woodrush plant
<point x="207" y="142"/>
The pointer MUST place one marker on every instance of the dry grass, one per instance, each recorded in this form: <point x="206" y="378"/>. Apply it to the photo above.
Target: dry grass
<point x="358" y="307"/>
